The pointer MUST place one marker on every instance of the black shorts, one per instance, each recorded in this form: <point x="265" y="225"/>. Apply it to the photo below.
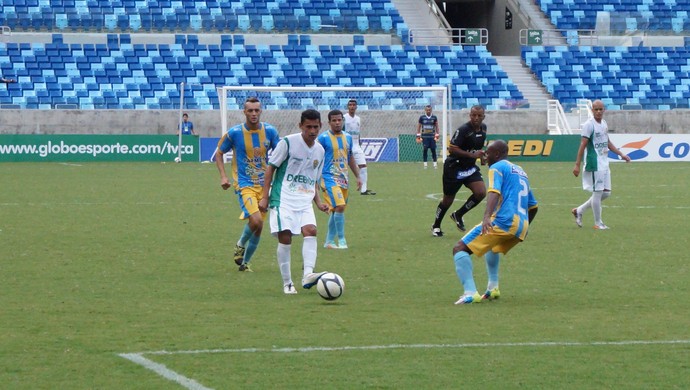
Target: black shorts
<point x="454" y="178"/>
<point x="429" y="142"/>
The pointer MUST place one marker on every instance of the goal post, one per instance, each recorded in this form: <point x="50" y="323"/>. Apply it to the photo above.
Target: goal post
<point x="389" y="115"/>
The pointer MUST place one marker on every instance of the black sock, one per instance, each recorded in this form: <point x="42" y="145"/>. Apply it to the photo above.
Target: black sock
<point x="440" y="213"/>
<point x="469" y="205"/>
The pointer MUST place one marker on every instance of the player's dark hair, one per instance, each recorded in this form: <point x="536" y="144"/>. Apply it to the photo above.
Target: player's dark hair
<point x="333" y="113"/>
<point x="478" y="107"/>
<point x="352" y="101"/>
<point x="251" y="99"/>
<point x="310" y="114"/>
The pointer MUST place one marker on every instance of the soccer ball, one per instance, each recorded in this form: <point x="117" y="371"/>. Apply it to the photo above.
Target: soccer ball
<point x="330" y="286"/>
<point x="177" y="159"/>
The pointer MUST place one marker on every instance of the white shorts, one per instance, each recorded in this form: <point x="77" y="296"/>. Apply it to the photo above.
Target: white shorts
<point x="358" y="154"/>
<point x="596" y="181"/>
<point x="282" y="219"/>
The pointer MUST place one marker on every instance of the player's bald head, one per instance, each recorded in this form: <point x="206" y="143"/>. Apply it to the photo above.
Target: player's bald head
<point x="500" y="146"/>
<point x="497" y="151"/>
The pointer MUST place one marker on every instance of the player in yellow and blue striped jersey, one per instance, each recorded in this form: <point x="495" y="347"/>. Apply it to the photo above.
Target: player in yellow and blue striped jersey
<point x="250" y="143"/>
<point x="335" y="182"/>
<point x="510" y="208"/>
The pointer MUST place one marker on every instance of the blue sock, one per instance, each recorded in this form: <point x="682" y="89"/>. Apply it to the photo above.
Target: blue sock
<point x="330" y="234"/>
<point x="463" y="267"/>
<point x="246" y="234"/>
<point x="492" y="258"/>
<point x="339" y="219"/>
<point x="252" y="244"/>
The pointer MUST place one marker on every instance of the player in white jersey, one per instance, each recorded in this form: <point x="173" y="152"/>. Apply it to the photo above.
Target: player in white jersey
<point x="292" y="178"/>
<point x="596" y="178"/>
<point x="353" y="126"/>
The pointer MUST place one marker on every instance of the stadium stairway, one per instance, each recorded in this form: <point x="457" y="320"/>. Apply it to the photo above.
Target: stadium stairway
<point x="538" y="20"/>
<point x="525" y="80"/>
<point x="424" y="19"/>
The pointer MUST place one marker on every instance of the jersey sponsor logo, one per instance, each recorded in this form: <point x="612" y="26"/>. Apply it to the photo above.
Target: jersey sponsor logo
<point x="300" y="179"/>
<point x="461" y="175"/>
<point x="516" y="169"/>
<point x="373" y="148"/>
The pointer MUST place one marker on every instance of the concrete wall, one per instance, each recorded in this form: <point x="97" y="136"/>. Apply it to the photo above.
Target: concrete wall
<point x="207" y="122"/>
<point x="504" y="42"/>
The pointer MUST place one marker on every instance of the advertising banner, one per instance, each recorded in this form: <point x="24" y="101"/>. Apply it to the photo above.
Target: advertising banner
<point x="380" y="149"/>
<point x="375" y="149"/>
<point x="92" y="147"/>
<point x="652" y="147"/>
<point x="540" y="147"/>
<point x="520" y="147"/>
<point x="208" y="148"/>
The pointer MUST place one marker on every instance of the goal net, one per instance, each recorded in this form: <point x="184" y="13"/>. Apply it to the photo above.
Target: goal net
<point x="389" y="115"/>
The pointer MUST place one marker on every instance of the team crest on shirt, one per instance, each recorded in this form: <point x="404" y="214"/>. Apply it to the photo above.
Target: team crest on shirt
<point x="315" y="164"/>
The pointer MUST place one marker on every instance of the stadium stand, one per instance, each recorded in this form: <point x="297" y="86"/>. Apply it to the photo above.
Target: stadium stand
<point x="118" y="74"/>
<point x="655" y="78"/>
<point x="222" y="16"/>
<point x="626" y="16"/>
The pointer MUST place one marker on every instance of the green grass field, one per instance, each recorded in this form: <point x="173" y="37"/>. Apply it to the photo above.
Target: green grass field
<point x="100" y="260"/>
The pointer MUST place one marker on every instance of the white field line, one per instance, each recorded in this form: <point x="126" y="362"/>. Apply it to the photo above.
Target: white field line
<point x="164" y="371"/>
<point x="190" y="384"/>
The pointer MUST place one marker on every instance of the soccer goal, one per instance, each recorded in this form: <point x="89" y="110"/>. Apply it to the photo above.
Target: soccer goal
<point x="389" y="115"/>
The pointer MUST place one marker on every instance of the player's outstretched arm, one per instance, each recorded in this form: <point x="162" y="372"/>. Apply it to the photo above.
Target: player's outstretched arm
<point x="266" y="189"/>
<point x="614" y="149"/>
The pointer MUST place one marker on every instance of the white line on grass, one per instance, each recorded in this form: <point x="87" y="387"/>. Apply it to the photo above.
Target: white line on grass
<point x="191" y="384"/>
<point x="164" y="371"/>
<point x="622" y="207"/>
<point x="422" y="346"/>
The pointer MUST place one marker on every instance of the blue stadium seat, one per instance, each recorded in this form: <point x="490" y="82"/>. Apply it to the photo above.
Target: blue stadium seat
<point x="362" y="23"/>
<point x="61" y="21"/>
<point x="267" y="22"/>
<point x="243" y="22"/>
<point x="110" y="22"/>
<point x="195" y="22"/>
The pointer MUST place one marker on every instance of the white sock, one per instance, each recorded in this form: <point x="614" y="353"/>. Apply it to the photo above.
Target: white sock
<point x="363" y="176"/>
<point x="596" y="206"/>
<point x="284" y="262"/>
<point x="309" y="254"/>
<point x="583" y="207"/>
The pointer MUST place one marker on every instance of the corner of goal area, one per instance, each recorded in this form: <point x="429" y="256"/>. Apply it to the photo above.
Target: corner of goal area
<point x="162" y="370"/>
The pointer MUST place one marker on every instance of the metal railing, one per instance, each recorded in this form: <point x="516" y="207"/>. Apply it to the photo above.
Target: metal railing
<point x="535" y="37"/>
<point x="585" y="110"/>
<point x="457" y="36"/>
<point x="557" y="122"/>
